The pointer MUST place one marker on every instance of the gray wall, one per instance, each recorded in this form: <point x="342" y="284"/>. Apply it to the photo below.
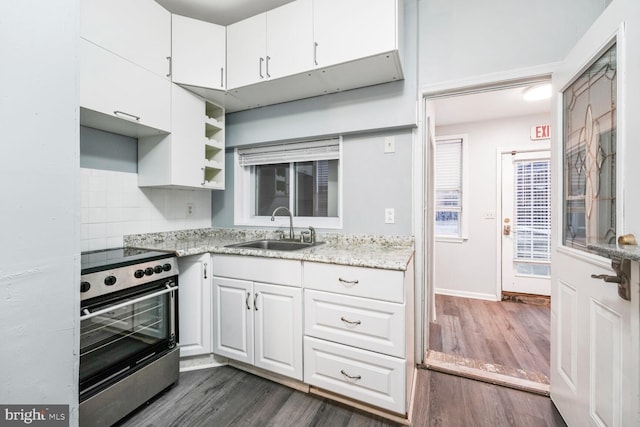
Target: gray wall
<point x="39" y="213"/>
<point x="389" y="105"/>
<point x="108" y="151"/>
<point x="462" y="38"/>
<point x="372" y="181"/>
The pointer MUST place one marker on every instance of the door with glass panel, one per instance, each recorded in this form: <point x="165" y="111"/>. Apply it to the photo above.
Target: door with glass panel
<point x="526" y="222"/>
<point x="594" y="333"/>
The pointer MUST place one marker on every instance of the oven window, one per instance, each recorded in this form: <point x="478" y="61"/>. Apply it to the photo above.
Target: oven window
<point x="121" y="334"/>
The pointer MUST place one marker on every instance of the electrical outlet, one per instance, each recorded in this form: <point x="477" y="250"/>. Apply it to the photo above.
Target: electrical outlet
<point x="389" y="216"/>
<point x="489" y="215"/>
<point x="389" y="144"/>
<point x="190" y="209"/>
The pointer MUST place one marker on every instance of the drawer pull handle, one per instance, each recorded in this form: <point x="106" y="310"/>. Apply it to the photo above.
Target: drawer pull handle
<point x="347" y="282"/>
<point x="351" y="377"/>
<point x="350" y="322"/>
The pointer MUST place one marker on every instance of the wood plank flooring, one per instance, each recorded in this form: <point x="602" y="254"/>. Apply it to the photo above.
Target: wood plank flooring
<point x="508" y="333"/>
<point x="512" y="334"/>
<point x="226" y="396"/>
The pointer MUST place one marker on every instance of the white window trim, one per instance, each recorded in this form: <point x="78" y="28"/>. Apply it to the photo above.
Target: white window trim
<point x="244" y="196"/>
<point x="464" y="217"/>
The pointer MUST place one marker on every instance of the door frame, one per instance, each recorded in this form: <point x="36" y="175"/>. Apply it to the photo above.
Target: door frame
<point x="424" y="201"/>
<point x="500" y="151"/>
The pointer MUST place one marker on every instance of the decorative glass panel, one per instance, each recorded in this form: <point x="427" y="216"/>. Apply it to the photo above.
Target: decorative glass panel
<point x="589" y="209"/>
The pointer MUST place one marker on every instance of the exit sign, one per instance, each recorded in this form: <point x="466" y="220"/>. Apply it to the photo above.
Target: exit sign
<point x="540" y="132"/>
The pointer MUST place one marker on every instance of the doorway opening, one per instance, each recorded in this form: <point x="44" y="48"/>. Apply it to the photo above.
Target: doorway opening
<point x="496" y="216"/>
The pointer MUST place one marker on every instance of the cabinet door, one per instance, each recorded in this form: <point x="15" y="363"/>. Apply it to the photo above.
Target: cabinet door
<point x="139" y="31"/>
<point x="198" y="51"/>
<point x="278" y="329"/>
<point x="187" y="138"/>
<point x="195" y="305"/>
<point x="233" y="319"/>
<point x="246" y="51"/>
<point x="289" y="39"/>
<point x="348" y="30"/>
<point x="122" y="90"/>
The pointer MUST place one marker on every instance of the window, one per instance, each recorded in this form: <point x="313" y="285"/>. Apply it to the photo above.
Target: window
<point x="450" y="194"/>
<point x="302" y="176"/>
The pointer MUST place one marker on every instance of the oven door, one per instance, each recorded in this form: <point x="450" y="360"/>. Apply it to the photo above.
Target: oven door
<point x="123" y="332"/>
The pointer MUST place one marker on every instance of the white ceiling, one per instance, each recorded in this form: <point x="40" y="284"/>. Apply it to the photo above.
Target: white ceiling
<point x="222" y="12"/>
<point x="484" y="106"/>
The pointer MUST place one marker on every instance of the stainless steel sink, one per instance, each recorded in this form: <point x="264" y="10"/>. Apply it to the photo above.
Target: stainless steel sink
<point x="275" y="245"/>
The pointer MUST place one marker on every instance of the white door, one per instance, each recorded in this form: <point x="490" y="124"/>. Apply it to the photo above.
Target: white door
<point x="233" y="319"/>
<point x="348" y="30"/>
<point x="198" y="52"/>
<point x="594" y="333"/>
<point x="289" y="39"/>
<point x="195" y="305"/>
<point x="526" y="222"/>
<point x="246" y="51"/>
<point x="278" y="329"/>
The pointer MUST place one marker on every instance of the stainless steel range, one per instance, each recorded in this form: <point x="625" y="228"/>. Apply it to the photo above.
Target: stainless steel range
<point x="128" y="331"/>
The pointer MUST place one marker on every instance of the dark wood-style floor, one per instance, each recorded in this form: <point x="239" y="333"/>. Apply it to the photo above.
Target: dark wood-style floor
<point x="504" y="332"/>
<point x="226" y="396"/>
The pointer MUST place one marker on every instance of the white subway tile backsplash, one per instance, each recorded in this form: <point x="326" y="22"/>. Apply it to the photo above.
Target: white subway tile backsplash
<point x="112" y="205"/>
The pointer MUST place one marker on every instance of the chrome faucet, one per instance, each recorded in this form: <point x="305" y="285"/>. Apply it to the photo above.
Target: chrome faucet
<point x="290" y="219"/>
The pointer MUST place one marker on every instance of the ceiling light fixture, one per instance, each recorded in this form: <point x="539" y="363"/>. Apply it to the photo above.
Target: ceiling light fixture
<point x="537" y="93"/>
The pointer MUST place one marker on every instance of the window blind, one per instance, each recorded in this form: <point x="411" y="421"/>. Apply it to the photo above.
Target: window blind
<point x="307" y="151"/>
<point x="448" y="174"/>
<point x="532" y="210"/>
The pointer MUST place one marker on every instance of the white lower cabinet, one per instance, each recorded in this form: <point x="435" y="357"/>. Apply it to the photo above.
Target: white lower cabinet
<point x="363" y="375"/>
<point x="194" y="311"/>
<point x="359" y="333"/>
<point x="254" y="322"/>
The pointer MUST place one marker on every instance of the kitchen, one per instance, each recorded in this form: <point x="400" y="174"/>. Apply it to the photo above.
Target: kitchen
<point x="43" y="35"/>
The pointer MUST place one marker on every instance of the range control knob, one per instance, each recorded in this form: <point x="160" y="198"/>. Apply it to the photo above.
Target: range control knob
<point x="166" y="267"/>
<point x="157" y="268"/>
<point x="138" y="274"/>
<point x="148" y="271"/>
<point x="110" y="280"/>
<point x="85" y="286"/>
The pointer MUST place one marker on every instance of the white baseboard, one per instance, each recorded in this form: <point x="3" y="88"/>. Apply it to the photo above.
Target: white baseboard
<point x="466" y="294"/>
<point x="201" y="362"/>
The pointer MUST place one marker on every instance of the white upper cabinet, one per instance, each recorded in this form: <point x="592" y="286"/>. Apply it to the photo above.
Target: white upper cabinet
<point x="353" y="29"/>
<point x="193" y="155"/>
<point x="121" y="97"/>
<point x="270" y="45"/>
<point x="246" y="51"/>
<point x="198" y="52"/>
<point x="289" y="39"/>
<point x="139" y="31"/>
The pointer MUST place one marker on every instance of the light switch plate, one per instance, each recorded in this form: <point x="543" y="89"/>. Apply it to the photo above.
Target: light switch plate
<point x="389" y="144"/>
<point x="389" y="216"/>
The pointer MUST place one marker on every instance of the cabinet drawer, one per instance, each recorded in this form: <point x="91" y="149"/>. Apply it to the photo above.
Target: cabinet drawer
<point x="257" y="269"/>
<point x="387" y="285"/>
<point x="364" y="323"/>
<point x="362" y="375"/>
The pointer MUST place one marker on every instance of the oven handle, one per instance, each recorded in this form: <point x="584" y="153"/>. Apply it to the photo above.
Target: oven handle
<point x="89" y="315"/>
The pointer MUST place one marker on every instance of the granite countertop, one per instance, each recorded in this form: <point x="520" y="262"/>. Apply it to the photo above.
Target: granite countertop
<point x="631" y="252"/>
<point x="384" y="252"/>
